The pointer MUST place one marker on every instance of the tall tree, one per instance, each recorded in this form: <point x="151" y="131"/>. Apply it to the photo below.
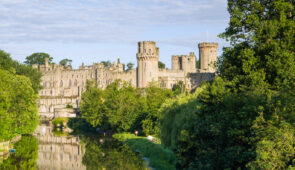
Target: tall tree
<point x="18" y="106"/>
<point x="262" y="38"/>
<point x="244" y="119"/>
<point x="38" y="58"/>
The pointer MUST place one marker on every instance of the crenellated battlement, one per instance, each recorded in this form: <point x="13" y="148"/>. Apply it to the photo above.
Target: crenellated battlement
<point x="63" y="85"/>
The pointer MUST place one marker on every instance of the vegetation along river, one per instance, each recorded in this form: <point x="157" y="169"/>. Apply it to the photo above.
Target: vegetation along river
<point x="50" y="148"/>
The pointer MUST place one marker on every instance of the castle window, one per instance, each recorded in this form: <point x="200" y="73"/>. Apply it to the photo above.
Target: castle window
<point x="70" y="83"/>
<point x="61" y="83"/>
<point x="76" y="83"/>
<point x="150" y="51"/>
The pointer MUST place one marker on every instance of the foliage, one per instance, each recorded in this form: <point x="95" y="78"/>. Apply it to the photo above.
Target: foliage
<point x="179" y="88"/>
<point x="161" y="65"/>
<point x="59" y="122"/>
<point x="129" y="66"/>
<point x="245" y="117"/>
<point x="106" y="63"/>
<point x="118" y="108"/>
<point x="80" y="126"/>
<point x="25" y="157"/>
<point x="38" y="58"/>
<point x="160" y="158"/>
<point x="69" y="106"/>
<point x="66" y="62"/>
<point x="121" y="107"/>
<point x="262" y="37"/>
<point x="6" y="63"/>
<point x="18" y="106"/>
<point x="155" y="96"/>
<point x="124" y="106"/>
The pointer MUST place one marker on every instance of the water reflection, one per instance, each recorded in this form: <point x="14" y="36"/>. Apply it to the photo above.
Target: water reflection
<point x="47" y="151"/>
<point x="25" y="157"/>
<point x="58" y="152"/>
<point x="110" y="154"/>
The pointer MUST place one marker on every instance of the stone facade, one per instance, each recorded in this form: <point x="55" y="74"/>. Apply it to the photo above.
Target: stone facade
<point x="63" y="85"/>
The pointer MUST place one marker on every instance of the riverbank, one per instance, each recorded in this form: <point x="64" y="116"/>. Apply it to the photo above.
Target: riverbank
<point x="5" y="146"/>
<point x="159" y="157"/>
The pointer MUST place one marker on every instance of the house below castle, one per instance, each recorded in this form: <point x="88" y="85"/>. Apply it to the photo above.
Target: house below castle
<point x="63" y="85"/>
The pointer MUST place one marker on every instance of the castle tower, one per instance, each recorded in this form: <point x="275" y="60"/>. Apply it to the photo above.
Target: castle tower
<point x="147" y="63"/>
<point x="208" y="56"/>
<point x="175" y="62"/>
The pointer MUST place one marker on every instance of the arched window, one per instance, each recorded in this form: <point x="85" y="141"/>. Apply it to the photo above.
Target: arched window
<point x="150" y="51"/>
<point x="70" y="83"/>
<point x="76" y="83"/>
<point x="61" y="83"/>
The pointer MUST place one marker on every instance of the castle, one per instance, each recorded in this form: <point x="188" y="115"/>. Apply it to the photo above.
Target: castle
<point x="63" y="85"/>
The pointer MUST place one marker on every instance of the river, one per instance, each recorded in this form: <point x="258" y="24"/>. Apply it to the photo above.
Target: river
<point x="54" y="150"/>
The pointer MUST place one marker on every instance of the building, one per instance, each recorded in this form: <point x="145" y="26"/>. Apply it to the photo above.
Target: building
<point x="64" y="85"/>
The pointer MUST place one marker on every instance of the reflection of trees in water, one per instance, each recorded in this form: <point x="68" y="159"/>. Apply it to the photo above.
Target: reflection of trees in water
<point x="25" y="157"/>
<point x="111" y="154"/>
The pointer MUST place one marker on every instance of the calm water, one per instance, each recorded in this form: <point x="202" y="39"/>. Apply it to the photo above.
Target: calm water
<point x="49" y="150"/>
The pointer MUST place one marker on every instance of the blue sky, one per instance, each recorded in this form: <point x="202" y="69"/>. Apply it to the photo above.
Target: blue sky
<point x="95" y="30"/>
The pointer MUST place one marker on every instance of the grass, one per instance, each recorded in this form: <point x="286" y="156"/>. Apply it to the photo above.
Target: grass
<point x="160" y="158"/>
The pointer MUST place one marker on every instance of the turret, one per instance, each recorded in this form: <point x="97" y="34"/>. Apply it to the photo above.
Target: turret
<point x="147" y="63"/>
<point x="208" y="56"/>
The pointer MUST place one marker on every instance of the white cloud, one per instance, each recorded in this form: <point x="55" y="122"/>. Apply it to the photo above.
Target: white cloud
<point x="100" y="20"/>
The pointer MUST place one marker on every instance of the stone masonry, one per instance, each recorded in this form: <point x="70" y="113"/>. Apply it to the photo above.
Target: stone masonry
<point x="63" y="85"/>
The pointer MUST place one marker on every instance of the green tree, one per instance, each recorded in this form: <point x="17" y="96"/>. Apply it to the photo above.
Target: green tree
<point x="262" y="38"/>
<point x="161" y="65"/>
<point x="124" y="106"/>
<point x="92" y="104"/>
<point x="14" y="67"/>
<point x="129" y="66"/>
<point x="66" y="62"/>
<point x="179" y="88"/>
<point x="245" y="117"/>
<point x="155" y="96"/>
<point x="18" y="106"/>
<point x="38" y="58"/>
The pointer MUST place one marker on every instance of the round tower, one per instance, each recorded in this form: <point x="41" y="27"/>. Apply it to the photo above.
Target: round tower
<point x="208" y="56"/>
<point x="147" y="63"/>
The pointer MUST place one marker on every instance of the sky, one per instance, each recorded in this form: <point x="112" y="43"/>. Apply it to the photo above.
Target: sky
<point x="98" y="30"/>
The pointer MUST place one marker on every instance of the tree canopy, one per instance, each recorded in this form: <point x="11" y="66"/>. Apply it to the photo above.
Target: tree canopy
<point x="38" y="58"/>
<point x="66" y="62"/>
<point x="121" y="107"/>
<point x="129" y="66"/>
<point x="244" y="118"/>
<point x="14" y="67"/>
<point x="161" y="65"/>
<point x="18" y="106"/>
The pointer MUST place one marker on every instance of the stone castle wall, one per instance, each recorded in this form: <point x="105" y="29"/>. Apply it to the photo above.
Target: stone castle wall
<point x="64" y="85"/>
